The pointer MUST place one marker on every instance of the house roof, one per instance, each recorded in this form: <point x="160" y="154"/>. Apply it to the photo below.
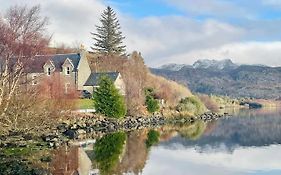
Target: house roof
<point x="94" y="78"/>
<point x="36" y="65"/>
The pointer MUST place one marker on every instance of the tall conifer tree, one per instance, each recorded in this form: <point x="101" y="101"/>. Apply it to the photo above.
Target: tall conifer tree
<point x="109" y="39"/>
<point x="107" y="99"/>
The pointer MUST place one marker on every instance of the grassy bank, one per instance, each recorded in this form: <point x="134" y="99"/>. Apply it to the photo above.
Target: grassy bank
<point x="85" y="103"/>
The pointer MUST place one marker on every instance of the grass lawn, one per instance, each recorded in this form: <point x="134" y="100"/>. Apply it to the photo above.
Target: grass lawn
<point x="85" y="104"/>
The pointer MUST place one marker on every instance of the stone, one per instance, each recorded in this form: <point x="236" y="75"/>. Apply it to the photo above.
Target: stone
<point x="71" y="134"/>
<point x="191" y="119"/>
<point x="48" y="138"/>
<point x="28" y="137"/>
<point x="74" y="126"/>
<point x="51" y="144"/>
<point x="3" y="137"/>
<point x="62" y="127"/>
<point x="15" y="133"/>
<point x="81" y="131"/>
<point x="111" y="127"/>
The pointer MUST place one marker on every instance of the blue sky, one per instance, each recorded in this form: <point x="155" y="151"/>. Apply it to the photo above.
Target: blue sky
<point x="145" y="8"/>
<point x="269" y="10"/>
<point x="174" y="31"/>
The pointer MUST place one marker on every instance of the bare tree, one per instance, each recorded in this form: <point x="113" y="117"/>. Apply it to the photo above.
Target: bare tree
<point x="22" y="36"/>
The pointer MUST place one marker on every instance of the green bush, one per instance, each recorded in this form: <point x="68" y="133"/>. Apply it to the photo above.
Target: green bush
<point x="152" y="138"/>
<point x="107" y="99"/>
<point x="191" y="104"/>
<point x="152" y="105"/>
<point x="107" y="151"/>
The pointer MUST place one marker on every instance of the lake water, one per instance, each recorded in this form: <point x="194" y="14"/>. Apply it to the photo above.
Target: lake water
<point x="247" y="144"/>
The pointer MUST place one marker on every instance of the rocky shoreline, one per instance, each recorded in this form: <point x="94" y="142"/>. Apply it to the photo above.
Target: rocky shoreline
<point x="78" y="128"/>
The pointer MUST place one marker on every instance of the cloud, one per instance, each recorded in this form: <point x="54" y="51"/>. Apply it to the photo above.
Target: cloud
<point x="162" y="37"/>
<point x="266" y="53"/>
<point x="172" y="38"/>
<point x="73" y="20"/>
<point x="274" y="3"/>
<point x="70" y="20"/>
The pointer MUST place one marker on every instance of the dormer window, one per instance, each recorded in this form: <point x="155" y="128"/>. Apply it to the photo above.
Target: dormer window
<point x="49" y="71"/>
<point x="67" y="67"/>
<point x="67" y="71"/>
<point x="49" y="67"/>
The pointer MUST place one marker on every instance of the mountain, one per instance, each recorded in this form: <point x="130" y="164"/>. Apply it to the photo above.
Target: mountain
<point x="226" y="78"/>
<point x="173" y="67"/>
<point x="202" y="64"/>
<point x="214" y="64"/>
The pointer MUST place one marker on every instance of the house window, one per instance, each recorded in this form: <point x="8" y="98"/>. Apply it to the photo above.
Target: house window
<point x="67" y="88"/>
<point x="49" y="71"/>
<point x="67" y="72"/>
<point x="34" y="80"/>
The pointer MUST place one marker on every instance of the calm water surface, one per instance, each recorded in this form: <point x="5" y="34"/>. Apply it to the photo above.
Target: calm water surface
<point x="246" y="144"/>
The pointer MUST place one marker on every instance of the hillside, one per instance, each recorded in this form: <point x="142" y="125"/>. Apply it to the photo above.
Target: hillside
<point x="137" y="78"/>
<point x="226" y="78"/>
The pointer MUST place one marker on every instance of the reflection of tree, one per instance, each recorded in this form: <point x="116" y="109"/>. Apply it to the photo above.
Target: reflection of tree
<point x="108" y="150"/>
<point x="65" y="161"/>
<point x="152" y="138"/>
<point x="70" y="161"/>
<point x="135" y="153"/>
<point x="192" y="131"/>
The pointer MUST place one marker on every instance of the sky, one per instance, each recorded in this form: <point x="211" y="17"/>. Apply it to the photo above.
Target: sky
<point x="174" y="31"/>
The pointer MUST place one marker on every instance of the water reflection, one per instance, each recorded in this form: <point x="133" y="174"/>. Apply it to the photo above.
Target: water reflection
<point x="187" y="160"/>
<point x="248" y="143"/>
<point x="71" y="161"/>
<point x="152" y="138"/>
<point x="193" y="131"/>
<point x="108" y="152"/>
<point x="136" y="153"/>
<point x="248" y="128"/>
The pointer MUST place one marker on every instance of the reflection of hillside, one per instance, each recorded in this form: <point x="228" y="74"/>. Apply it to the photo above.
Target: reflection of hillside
<point x="252" y="112"/>
<point x="210" y="127"/>
<point x="192" y="131"/>
<point x="259" y="112"/>
<point x="250" y="128"/>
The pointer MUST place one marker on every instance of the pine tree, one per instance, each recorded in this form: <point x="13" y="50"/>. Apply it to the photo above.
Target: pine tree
<point x="109" y="39"/>
<point x="107" y="99"/>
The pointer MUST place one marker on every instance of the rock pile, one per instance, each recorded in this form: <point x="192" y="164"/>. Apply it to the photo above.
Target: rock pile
<point x="90" y="126"/>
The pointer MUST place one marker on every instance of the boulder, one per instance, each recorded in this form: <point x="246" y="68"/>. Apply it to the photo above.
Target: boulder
<point x="71" y="134"/>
